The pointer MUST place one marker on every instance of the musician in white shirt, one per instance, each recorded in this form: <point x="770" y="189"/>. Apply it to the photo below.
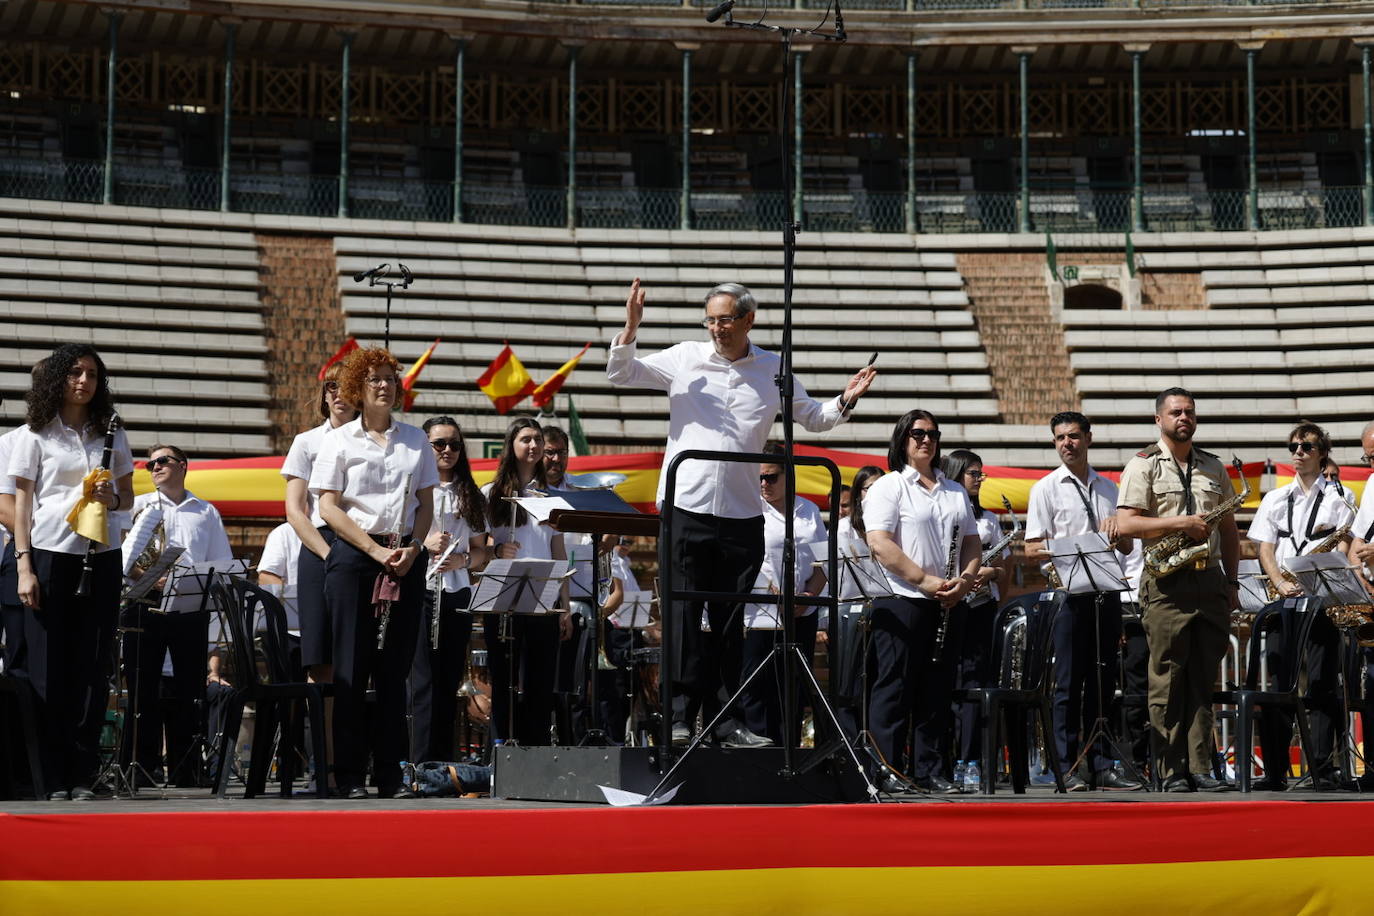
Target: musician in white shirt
<point x="68" y="635"/>
<point x="11" y="611"/>
<point x="1291" y="521"/>
<point x="921" y="530"/>
<point x="176" y="627"/>
<point x="374" y="478"/>
<point x="722" y="397"/>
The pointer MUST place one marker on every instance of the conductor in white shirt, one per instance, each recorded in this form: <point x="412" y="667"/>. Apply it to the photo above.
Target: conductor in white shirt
<point x="722" y="397"/>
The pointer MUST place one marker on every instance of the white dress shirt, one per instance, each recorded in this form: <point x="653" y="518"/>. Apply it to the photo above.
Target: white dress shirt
<point x="535" y="538"/>
<point x="300" y="463"/>
<point x="447" y="517"/>
<point x="369" y="477"/>
<point x="57" y="459"/>
<point x="922" y="522"/>
<point x="280" y="553"/>
<point x="620" y="569"/>
<point x="718" y="405"/>
<point x="1364" y="519"/>
<point x="1057" y="509"/>
<point x="989" y="533"/>
<point x="807" y="528"/>
<point x="6" y="481"/>
<point x="195" y="525"/>
<point x="1294" y="521"/>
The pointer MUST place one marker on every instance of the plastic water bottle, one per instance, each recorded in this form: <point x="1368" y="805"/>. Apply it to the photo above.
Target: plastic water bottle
<point x="960" y="773"/>
<point x="973" y="777"/>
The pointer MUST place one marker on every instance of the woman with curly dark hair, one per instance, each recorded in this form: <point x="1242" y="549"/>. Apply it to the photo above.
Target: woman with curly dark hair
<point x="68" y="635"/>
<point x="460" y="523"/>
<point x="534" y="646"/>
<point x="374" y="478"/>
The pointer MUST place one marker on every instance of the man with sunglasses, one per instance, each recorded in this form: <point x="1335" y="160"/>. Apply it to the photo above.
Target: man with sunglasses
<point x="722" y="397"/>
<point x="1290" y="521"/>
<point x="1074" y="500"/>
<point x="176" y="628"/>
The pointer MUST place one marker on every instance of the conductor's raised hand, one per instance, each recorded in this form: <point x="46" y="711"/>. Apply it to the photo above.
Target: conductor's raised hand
<point x="859" y="384"/>
<point x="634" y="312"/>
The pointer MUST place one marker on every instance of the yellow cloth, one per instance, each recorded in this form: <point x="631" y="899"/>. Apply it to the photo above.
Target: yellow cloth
<point x="89" y="517"/>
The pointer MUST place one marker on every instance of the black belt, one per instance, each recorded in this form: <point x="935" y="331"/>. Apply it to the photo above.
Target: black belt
<point x="384" y="540"/>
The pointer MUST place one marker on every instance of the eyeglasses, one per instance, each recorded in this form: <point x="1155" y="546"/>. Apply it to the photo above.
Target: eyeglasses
<point x="440" y="444"/>
<point x="920" y="434"/>
<point x="769" y="478"/>
<point x="977" y="475"/>
<point x="388" y="381"/>
<point x="555" y="453"/>
<point x="724" y="321"/>
<point x="160" y="462"/>
<point x="1367" y="459"/>
<point x="1306" y="446"/>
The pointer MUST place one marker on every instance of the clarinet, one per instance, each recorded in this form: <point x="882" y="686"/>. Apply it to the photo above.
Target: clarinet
<point x="951" y="561"/>
<point x="393" y="541"/>
<point x="83" y="586"/>
<point x="437" y="587"/>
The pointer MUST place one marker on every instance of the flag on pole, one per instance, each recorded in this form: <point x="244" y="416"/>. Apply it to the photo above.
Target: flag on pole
<point x="506" y="382"/>
<point x="576" y="436"/>
<point x="348" y="347"/>
<point x="408" y="380"/>
<point x="545" y="392"/>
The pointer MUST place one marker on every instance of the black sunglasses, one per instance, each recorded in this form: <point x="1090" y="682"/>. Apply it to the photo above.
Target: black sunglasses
<point x="1304" y="445"/>
<point x="920" y="434"/>
<point x="440" y="444"/>
<point x="769" y="478"/>
<point x="160" y="461"/>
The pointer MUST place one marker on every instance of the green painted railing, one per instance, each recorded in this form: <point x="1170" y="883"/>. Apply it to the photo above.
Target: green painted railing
<point x="1052" y="211"/>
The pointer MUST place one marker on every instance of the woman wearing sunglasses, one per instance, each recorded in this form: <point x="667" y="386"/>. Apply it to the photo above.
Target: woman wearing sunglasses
<point x="67" y="635"/>
<point x="375" y="479"/>
<point x="921" y="529"/>
<point x="303" y="515"/>
<point x="529" y="655"/>
<point x="441" y="652"/>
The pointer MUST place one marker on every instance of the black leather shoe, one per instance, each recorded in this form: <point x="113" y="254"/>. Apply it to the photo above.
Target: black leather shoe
<point x="398" y="792"/>
<point x="1074" y="783"/>
<point x="1334" y="782"/>
<point x="356" y="792"/>
<point x="59" y="795"/>
<point x="682" y="735"/>
<point x="1179" y="784"/>
<point x="937" y="784"/>
<point x="83" y="793"/>
<point x="1111" y="779"/>
<point x="743" y="737"/>
<point x="1269" y="784"/>
<point x="893" y="784"/>
<point x="1211" y="784"/>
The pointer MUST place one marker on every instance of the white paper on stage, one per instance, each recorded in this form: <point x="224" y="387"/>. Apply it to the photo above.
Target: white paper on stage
<point x="622" y="798"/>
<point x="519" y="586"/>
<point x="1087" y="565"/>
<point x="636" y="610"/>
<point x="139" y="536"/>
<point x="1253" y="594"/>
<point x="1328" y="576"/>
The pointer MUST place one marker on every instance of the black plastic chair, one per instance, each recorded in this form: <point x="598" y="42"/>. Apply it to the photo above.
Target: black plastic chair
<point x="1004" y="711"/>
<point x="1292" y="625"/>
<point x="19" y="691"/>
<point x="276" y="694"/>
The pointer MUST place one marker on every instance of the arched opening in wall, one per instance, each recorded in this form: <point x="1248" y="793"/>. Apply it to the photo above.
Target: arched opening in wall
<point x="1091" y="296"/>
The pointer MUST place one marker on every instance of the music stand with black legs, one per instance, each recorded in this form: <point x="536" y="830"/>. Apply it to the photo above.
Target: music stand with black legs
<point x="1088" y="565"/>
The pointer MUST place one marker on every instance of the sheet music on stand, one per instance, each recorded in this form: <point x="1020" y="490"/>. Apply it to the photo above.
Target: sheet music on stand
<point x="1328" y="576"/>
<point x="1086" y="564"/>
<point x="145" y="525"/>
<point x="580" y="562"/>
<point x="635" y="611"/>
<point x="519" y="586"/>
<point x="148" y="581"/>
<point x="758" y="616"/>
<point x="862" y="578"/>
<point x="1253" y="594"/>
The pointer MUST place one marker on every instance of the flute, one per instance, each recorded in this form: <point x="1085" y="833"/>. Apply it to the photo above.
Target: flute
<point x="387" y="589"/>
<point x="83" y="586"/>
<point x="950" y="562"/>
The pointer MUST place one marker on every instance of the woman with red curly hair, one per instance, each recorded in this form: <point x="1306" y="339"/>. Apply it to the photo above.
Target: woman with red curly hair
<point x="374" y="478"/>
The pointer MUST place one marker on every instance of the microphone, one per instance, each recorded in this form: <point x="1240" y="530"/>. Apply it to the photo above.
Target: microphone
<point x="360" y="277"/>
<point x="720" y="10"/>
<point x="406" y="277"/>
<point x="839" y="22"/>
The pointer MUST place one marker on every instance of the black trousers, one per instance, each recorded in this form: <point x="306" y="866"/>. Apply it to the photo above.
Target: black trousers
<point x="1086" y="634"/>
<point x="349" y="580"/>
<point x="1322" y="697"/>
<point x="906" y="686"/>
<point x="317" y="633"/>
<point x="972" y="636"/>
<point x="761" y="702"/>
<point x="435" y="675"/>
<point x="1135" y="686"/>
<point x="69" y="642"/>
<point x="148" y="638"/>
<point x="527" y="659"/>
<point x="613" y="685"/>
<point x="11" y="613"/>
<point x="717" y="555"/>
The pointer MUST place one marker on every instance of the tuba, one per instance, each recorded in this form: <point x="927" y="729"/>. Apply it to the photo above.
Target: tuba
<point x="1173" y="552"/>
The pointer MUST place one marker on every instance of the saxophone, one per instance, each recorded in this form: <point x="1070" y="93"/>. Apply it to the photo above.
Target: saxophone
<point x="1171" y="553"/>
<point x="984" y="591"/>
<point x="1326" y="545"/>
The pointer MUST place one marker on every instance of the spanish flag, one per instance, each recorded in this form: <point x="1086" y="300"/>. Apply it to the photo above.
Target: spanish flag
<point x="545" y="392"/>
<point x="348" y="347"/>
<point x="506" y="382"/>
<point x="408" y="380"/>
